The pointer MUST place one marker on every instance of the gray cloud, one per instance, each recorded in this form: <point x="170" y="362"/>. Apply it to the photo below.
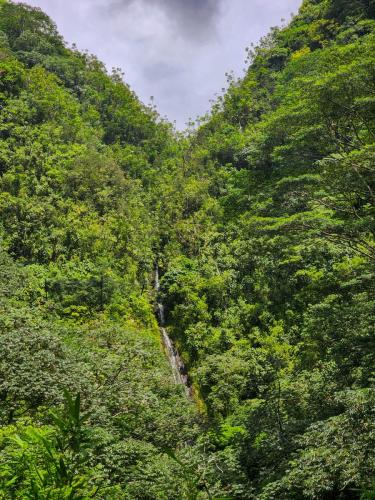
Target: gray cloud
<point x="175" y="50"/>
<point x="193" y="19"/>
<point x="162" y="71"/>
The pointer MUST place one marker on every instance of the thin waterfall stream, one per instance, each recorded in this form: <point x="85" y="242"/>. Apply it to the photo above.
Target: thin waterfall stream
<point x="178" y="367"/>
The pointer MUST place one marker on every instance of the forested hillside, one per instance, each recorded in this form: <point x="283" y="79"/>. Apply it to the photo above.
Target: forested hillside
<point x="261" y="223"/>
<point x="88" y="406"/>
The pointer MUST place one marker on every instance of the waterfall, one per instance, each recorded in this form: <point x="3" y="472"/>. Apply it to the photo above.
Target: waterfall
<point x="178" y="367"/>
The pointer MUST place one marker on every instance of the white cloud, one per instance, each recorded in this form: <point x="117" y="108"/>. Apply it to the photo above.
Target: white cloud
<point x="175" y="50"/>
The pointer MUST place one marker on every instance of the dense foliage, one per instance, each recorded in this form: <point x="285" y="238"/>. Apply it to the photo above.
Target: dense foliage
<point x="270" y="290"/>
<point x="88" y="406"/>
<point x="262" y="225"/>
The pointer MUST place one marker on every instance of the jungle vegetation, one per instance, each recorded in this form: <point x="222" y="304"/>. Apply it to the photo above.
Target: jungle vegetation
<point x="261" y="222"/>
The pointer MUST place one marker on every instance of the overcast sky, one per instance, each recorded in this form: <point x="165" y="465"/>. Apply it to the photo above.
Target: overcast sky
<point x="175" y="50"/>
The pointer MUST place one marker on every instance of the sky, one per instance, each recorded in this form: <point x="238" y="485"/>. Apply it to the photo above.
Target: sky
<point x="176" y="51"/>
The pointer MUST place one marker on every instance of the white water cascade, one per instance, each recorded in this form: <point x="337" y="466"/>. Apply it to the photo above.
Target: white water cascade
<point x="178" y="368"/>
